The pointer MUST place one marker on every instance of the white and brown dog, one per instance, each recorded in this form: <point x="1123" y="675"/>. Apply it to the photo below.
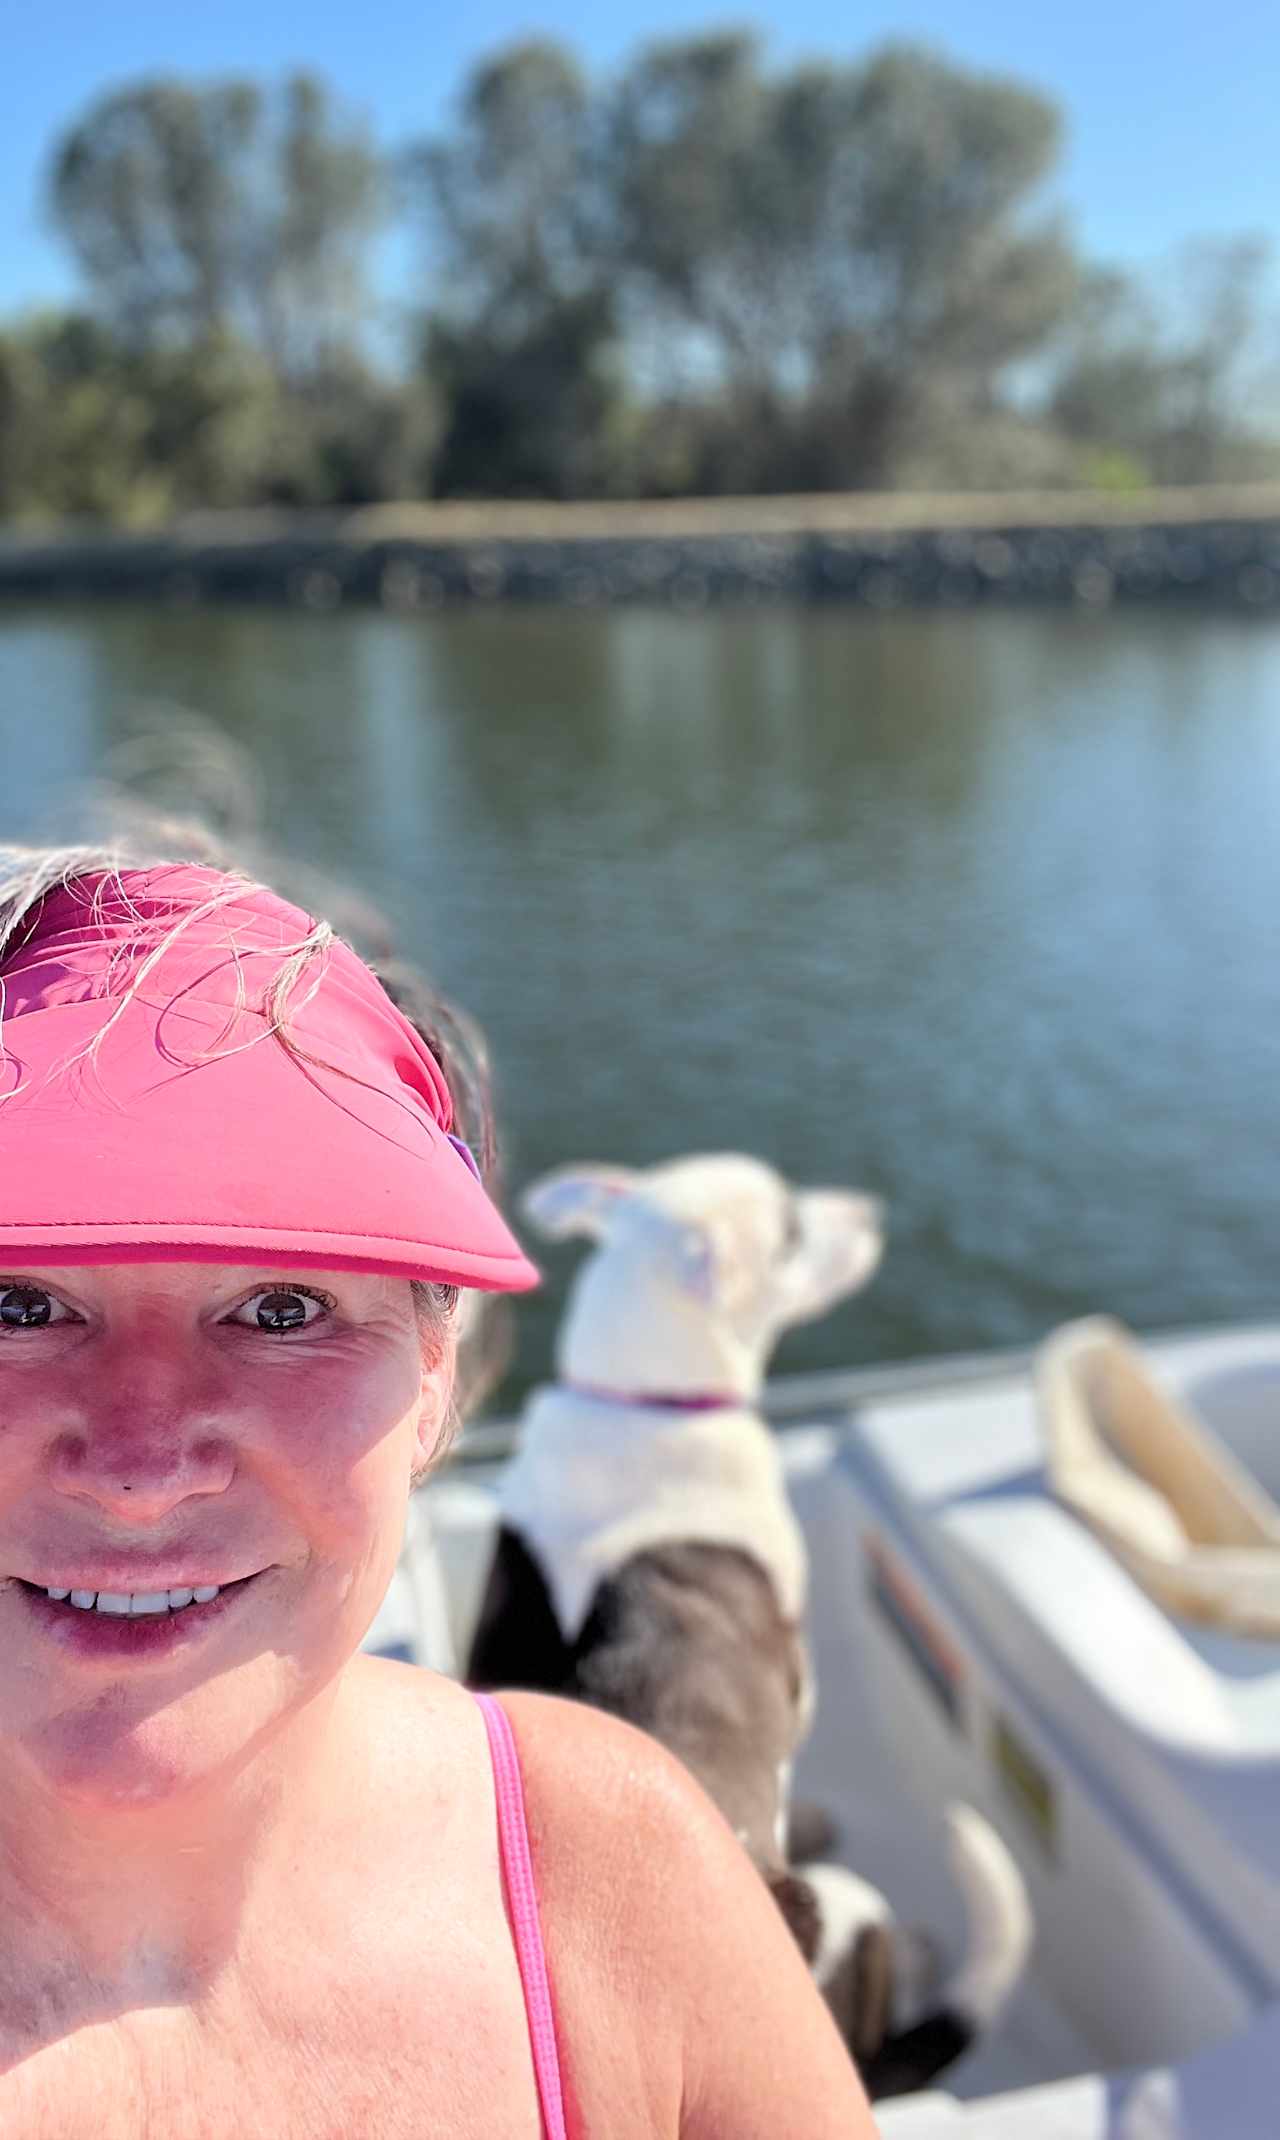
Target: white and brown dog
<point x="649" y="1562"/>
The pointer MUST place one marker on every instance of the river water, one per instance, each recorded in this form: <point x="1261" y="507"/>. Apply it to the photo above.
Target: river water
<point x="978" y="909"/>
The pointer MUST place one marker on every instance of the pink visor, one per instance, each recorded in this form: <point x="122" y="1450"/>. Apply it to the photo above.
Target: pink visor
<point x="193" y="1132"/>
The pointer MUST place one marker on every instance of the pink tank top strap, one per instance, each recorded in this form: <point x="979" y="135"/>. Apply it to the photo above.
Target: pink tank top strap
<point x="522" y="1908"/>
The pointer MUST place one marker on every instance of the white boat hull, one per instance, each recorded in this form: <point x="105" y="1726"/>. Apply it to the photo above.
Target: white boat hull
<point x="1017" y="1666"/>
<point x="965" y="1650"/>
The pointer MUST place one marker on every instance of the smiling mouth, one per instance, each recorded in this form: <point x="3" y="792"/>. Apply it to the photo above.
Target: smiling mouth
<point x="136" y="1605"/>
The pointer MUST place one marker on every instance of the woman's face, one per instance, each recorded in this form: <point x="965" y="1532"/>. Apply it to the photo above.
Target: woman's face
<point x="165" y="1427"/>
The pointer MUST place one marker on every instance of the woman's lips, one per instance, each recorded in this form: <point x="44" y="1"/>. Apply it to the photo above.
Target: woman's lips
<point x="120" y="1577"/>
<point x="85" y="1632"/>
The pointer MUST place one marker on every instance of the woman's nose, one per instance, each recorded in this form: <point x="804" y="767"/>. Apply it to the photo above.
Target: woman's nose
<point x="136" y="1460"/>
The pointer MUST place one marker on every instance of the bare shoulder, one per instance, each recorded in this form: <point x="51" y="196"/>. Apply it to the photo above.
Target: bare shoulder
<point x="390" y="1707"/>
<point x="615" y="1821"/>
<point x="640" y="1875"/>
<point x="683" y="2010"/>
<point x="597" y="1802"/>
<point x="605" y="1792"/>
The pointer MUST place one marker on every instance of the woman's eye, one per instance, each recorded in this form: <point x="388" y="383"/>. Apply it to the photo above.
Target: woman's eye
<point x="280" y="1309"/>
<point x="28" y="1307"/>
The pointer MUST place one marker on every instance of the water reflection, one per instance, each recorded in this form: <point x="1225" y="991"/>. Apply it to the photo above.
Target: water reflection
<point x="975" y="908"/>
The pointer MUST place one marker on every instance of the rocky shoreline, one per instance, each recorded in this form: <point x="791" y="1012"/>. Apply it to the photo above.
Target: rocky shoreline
<point x="881" y="553"/>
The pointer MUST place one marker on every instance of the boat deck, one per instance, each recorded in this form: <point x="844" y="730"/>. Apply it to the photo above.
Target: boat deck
<point x="1033" y="2077"/>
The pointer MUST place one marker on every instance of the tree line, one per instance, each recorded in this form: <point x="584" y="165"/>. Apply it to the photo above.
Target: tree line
<point x="699" y="276"/>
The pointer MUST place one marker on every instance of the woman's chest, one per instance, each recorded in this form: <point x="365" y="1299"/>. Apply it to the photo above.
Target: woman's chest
<point x="449" y="2057"/>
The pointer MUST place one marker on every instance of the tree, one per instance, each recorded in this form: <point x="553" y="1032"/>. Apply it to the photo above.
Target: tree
<point x="1166" y="367"/>
<point x="702" y="203"/>
<point x="202" y="214"/>
<point x="1222" y="306"/>
<point x="510" y="199"/>
<point x="850" y="239"/>
<point x="530" y="414"/>
<point x="520" y="339"/>
<point x="72" y="430"/>
<point x="21" y="398"/>
<point x="353" y="437"/>
<point x="1108" y="379"/>
<point x="91" y="427"/>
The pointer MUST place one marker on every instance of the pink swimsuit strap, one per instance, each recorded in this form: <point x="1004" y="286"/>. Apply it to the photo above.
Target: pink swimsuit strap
<point x="522" y="1909"/>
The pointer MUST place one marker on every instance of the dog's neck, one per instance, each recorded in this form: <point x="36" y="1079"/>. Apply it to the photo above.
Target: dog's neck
<point x="594" y="1482"/>
<point x="657" y="1401"/>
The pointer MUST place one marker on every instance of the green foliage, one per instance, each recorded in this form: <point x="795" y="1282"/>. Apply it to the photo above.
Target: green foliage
<point x="845" y="238"/>
<point x="522" y="342"/>
<point x="72" y="426"/>
<point x="1111" y="468"/>
<point x="92" y="428"/>
<point x="202" y="214"/>
<point x="352" y="438"/>
<point x="1165" y="376"/>
<point x="529" y="411"/>
<point x="702" y="276"/>
<point x="510" y="198"/>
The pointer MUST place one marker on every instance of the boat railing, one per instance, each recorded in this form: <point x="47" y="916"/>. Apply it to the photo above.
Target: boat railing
<point x="826" y="1398"/>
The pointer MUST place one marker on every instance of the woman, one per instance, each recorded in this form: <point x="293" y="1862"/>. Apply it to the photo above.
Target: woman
<point x="252" y="1879"/>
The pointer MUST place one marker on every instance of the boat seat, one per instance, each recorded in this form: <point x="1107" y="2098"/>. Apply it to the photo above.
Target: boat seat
<point x="1194" y="1529"/>
<point x="1058" y="1594"/>
<point x="1112" y="1497"/>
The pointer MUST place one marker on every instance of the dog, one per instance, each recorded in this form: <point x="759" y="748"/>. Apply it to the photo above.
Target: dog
<point x="648" y="1561"/>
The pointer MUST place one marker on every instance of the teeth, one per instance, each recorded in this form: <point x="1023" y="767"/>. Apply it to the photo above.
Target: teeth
<point x="140" y="1602"/>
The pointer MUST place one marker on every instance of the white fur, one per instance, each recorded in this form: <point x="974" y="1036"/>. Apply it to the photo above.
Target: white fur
<point x="997" y="1915"/>
<point x="594" y="1482"/>
<point x="699" y="1265"/>
<point x="846" y="1905"/>
<point x="998" y="1927"/>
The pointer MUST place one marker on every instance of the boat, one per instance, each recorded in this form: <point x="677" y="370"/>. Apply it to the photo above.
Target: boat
<point x="992" y="1624"/>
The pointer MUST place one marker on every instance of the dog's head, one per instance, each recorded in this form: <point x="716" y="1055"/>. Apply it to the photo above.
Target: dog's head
<point x="699" y="1265"/>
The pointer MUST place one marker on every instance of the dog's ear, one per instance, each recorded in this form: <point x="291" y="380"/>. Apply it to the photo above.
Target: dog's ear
<point x="576" y="1199"/>
<point x="693" y="1259"/>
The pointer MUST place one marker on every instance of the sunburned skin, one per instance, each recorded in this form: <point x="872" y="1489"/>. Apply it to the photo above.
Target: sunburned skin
<point x="352" y="1972"/>
<point x="174" y="1425"/>
<point x="249" y="1878"/>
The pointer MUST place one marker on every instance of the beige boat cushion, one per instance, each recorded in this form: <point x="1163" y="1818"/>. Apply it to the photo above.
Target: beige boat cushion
<point x="1117" y="1500"/>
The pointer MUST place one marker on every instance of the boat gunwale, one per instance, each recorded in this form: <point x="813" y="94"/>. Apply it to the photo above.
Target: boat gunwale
<point x="829" y="1396"/>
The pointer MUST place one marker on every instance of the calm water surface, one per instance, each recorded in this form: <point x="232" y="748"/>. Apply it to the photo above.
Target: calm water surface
<point x="979" y="910"/>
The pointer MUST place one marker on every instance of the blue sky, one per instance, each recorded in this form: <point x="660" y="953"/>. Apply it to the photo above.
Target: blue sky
<point x="1171" y="108"/>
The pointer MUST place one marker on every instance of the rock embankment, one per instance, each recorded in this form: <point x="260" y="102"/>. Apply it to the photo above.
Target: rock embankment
<point x="882" y="552"/>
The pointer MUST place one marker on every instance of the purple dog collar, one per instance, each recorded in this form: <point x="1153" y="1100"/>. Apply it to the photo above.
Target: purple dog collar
<point x="653" y="1402"/>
